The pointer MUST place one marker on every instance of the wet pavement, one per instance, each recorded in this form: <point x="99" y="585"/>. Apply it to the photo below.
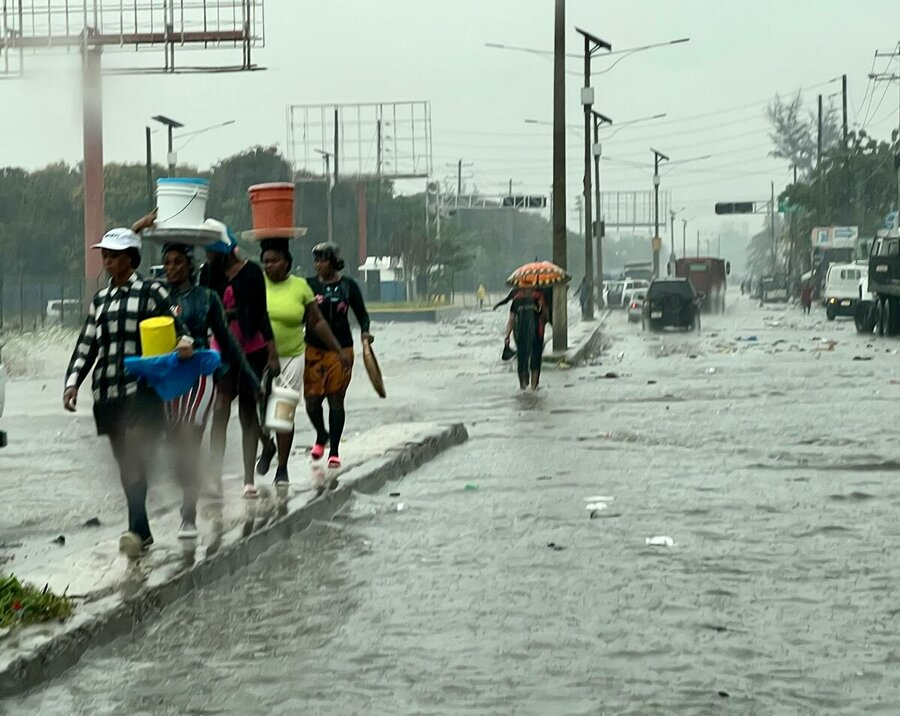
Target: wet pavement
<point x="513" y="574"/>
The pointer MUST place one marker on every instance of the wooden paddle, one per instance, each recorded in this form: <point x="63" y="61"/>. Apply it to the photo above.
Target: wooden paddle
<point x="373" y="370"/>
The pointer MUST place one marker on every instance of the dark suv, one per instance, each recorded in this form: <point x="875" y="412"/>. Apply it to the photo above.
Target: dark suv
<point x="671" y="303"/>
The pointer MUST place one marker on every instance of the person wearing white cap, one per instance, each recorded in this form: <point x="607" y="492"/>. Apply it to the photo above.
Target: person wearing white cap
<point x="126" y="410"/>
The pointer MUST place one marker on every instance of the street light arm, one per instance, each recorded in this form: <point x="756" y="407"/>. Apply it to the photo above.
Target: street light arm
<point x="193" y="135"/>
<point x="626" y="51"/>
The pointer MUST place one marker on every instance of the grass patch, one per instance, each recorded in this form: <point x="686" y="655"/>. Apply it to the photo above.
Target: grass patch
<point x="23" y="603"/>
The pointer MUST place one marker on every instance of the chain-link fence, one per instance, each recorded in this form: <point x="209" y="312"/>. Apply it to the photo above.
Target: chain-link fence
<point x="32" y="302"/>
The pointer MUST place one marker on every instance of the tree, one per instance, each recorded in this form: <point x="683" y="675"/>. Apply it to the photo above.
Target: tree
<point x="794" y="133"/>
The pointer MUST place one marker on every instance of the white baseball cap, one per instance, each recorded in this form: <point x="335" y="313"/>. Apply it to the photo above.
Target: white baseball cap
<point x="119" y="240"/>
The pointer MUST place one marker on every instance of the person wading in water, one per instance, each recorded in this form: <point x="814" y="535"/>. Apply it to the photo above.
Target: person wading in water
<point x="527" y="319"/>
<point x="126" y="410"/>
<point x="292" y="309"/>
<point x="328" y="372"/>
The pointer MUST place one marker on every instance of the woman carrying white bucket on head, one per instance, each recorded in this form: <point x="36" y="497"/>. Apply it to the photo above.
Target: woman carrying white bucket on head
<point x="292" y="308"/>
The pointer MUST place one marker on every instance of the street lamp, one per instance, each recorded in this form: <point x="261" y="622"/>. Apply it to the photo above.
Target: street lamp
<point x="592" y="45"/>
<point x="170" y="125"/>
<point x="193" y="134"/>
<point x="657" y="242"/>
<point x="597" y="151"/>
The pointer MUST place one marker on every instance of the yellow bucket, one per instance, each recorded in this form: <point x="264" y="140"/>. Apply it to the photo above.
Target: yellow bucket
<point x="157" y="336"/>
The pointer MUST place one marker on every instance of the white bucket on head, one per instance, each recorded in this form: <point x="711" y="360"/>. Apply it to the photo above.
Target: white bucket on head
<point x="181" y="202"/>
<point x="281" y="408"/>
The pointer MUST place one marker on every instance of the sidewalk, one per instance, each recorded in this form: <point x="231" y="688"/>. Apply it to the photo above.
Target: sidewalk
<point x="113" y="595"/>
<point x="583" y="338"/>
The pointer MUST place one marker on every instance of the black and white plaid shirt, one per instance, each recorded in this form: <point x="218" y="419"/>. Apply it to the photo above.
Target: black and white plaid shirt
<point x="111" y="332"/>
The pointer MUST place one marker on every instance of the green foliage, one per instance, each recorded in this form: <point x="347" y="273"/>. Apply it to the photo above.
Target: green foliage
<point x="794" y="133"/>
<point x="23" y="603"/>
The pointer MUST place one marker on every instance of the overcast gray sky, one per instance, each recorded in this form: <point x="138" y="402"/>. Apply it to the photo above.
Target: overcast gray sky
<point x="714" y="88"/>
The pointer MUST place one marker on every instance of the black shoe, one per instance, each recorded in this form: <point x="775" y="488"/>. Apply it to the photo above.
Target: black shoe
<point x="265" y="460"/>
<point x="281" y="475"/>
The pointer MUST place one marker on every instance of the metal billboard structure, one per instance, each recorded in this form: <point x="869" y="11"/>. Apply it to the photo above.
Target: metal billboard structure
<point x="122" y="28"/>
<point x="632" y="209"/>
<point x="386" y="140"/>
<point x="132" y="26"/>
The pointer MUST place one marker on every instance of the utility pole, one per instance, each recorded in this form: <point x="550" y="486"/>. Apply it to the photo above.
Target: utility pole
<point x="329" y="194"/>
<point x="151" y="199"/>
<point x="592" y="44"/>
<point x="684" y="238"/>
<point x="893" y="78"/>
<point x="844" y="102"/>
<point x="819" y="136"/>
<point x="560" y="317"/>
<point x="657" y="242"/>
<point x="597" y="151"/>
<point x="698" y="243"/>
<point x="672" y="230"/>
<point x="772" y="207"/>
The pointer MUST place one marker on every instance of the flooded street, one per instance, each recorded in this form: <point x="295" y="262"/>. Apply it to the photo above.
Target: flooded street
<point x="513" y="574"/>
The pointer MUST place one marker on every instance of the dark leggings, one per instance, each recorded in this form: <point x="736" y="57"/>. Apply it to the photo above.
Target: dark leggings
<point x="131" y="447"/>
<point x="336" y="419"/>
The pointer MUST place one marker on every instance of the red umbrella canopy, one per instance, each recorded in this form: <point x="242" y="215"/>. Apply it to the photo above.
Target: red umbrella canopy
<point x="537" y="274"/>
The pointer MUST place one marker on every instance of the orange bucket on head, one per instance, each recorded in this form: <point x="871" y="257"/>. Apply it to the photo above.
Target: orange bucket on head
<point x="272" y="205"/>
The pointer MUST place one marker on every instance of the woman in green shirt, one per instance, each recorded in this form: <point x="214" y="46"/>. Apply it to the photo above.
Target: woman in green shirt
<point x="292" y="308"/>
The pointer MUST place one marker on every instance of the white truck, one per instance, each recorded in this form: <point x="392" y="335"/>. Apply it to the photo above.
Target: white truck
<point x="841" y="293"/>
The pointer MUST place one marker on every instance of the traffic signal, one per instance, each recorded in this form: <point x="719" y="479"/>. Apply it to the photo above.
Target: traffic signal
<point x="734" y="207"/>
<point x="525" y="202"/>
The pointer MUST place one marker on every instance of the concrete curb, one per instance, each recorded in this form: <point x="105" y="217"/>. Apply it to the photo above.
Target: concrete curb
<point x="574" y="356"/>
<point x="47" y="655"/>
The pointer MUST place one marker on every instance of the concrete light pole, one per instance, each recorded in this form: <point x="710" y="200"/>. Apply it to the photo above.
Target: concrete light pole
<point x="597" y="151"/>
<point x="170" y="125"/>
<point x="560" y="317"/>
<point x="592" y="45"/>
<point x="657" y="242"/>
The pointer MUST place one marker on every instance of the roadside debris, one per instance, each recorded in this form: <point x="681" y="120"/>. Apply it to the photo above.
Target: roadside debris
<point x="661" y="541"/>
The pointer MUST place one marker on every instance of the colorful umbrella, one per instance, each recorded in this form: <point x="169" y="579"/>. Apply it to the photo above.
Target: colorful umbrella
<point x="538" y="274"/>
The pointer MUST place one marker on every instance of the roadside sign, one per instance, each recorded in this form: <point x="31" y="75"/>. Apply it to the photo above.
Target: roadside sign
<point x="657" y="243"/>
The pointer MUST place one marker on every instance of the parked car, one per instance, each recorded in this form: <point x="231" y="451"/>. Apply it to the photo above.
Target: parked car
<point x="635" y="304"/>
<point x="842" y="289"/>
<point x="2" y="396"/>
<point x="64" y="310"/>
<point x="621" y="290"/>
<point x="613" y="298"/>
<point x="671" y="303"/>
<point x="774" y="289"/>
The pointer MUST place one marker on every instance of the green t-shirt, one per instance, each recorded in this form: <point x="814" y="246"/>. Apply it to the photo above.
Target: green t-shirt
<point x="287" y="301"/>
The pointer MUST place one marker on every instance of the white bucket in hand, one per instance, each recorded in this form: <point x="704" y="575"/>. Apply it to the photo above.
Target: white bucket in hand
<point x="181" y="202"/>
<point x="281" y="407"/>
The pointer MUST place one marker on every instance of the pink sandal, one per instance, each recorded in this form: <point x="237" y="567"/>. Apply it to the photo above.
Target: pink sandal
<point x="334" y="461"/>
<point x="318" y="450"/>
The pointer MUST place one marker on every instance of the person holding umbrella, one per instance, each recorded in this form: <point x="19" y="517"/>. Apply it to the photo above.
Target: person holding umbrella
<point x="529" y="314"/>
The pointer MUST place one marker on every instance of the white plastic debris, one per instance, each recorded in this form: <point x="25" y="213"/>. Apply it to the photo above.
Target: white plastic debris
<point x="661" y="541"/>
<point x="596" y="506"/>
<point x="400" y="507"/>
<point x="599" y="498"/>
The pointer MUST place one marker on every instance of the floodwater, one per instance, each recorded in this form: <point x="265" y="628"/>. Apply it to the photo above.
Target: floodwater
<point x="765" y="448"/>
